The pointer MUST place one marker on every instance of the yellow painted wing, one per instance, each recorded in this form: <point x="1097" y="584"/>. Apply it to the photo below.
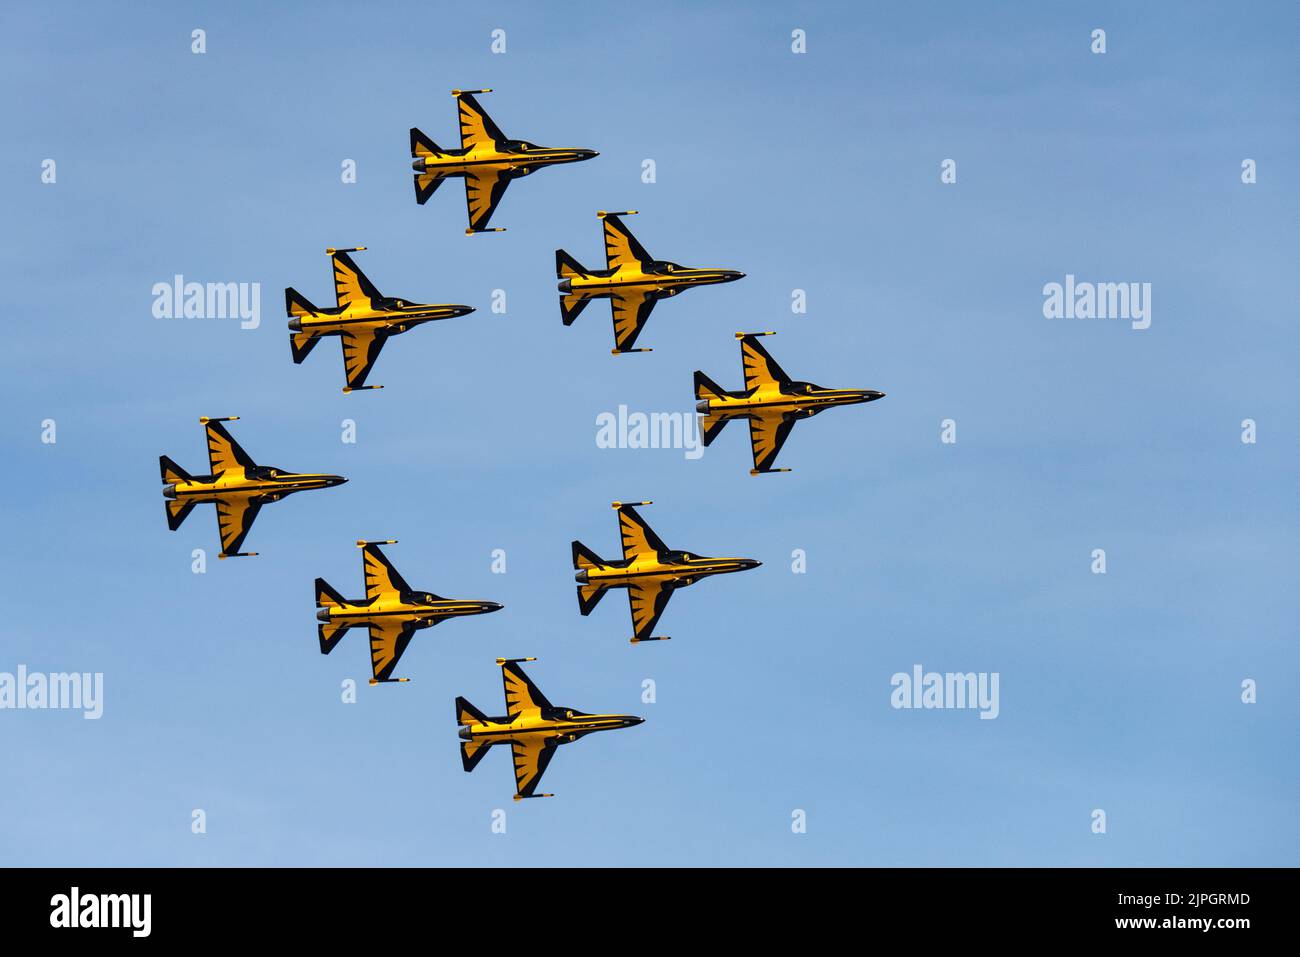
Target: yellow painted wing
<point x="638" y="537"/>
<point x="380" y="575"/>
<point x="224" y="452"/>
<point x="521" y="694"/>
<point x="235" y="515"/>
<point x="759" y="367"/>
<point x="631" y="310"/>
<point x="351" y="287"/>
<point x="621" y="247"/>
<point x="476" y="127"/>
<point x="531" y="753"/>
<point x="388" y="639"/>
<point x="360" y="350"/>
<point x="647" y="599"/>
<point x="767" y="433"/>
<point x="483" y="190"/>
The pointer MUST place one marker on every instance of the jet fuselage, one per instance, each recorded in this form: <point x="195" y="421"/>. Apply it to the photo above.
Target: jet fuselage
<point x="361" y="316"/>
<point x="659" y="278"/>
<point x="426" y="609"/>
<point x="515" y="157"/>
<point x="679" y="568"/>
<point x="792" y="397"/>
<point x="262" y="480"/>
<point x="560" y="721"/>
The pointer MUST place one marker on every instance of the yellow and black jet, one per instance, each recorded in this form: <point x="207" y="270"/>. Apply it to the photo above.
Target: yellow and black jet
<point x="533" y="727"/>
<point x="238" y="486"/>
<point x="771" y="400"/>
<point x="487" y="160"/>
<point x="363" y="319"/>
<point x="650" y="571"/>
<point x="633" y="281"/>
<point x="392" y="610"/>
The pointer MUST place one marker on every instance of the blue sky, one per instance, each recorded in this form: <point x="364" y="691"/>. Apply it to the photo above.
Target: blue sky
<point x="817" y="171"/>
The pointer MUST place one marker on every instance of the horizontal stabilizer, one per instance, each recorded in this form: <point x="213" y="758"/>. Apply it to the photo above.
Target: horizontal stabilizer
<point x="171" y="472"/>
<point x="589" y="596"/>
<point x="466" y="713"/>
<point x="706" y="388"/>
<point x="177" y="510"/>
<point x="584" y="557"/>
<point x="330" y="634"/>
<point x="421" y="145"/>
<point x="472" y="752"/>
<point x="566" y="267"/>
<point x="296" y="305"/>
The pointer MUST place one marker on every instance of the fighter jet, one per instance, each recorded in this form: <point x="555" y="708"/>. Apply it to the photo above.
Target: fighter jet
<point x="633" y="281"/>
<point x="392" y="610"/>
<point x="363" y="319"/>
<point x="486" y="159"/>
<point x="533" y="727"/>
<point x="238" y="486"/>
<point x="650" y="571"/>
<point x="771" y="400"/>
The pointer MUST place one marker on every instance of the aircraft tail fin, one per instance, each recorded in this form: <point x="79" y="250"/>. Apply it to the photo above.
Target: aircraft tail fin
<point x="589" y="597"/>
<point x="466" y="713"/>
<point x="706" y="388"/>
<point x="177" y="511"/>
<point x="329" y="632"/>
<point x="421" y="145"/>
<point x="297" y="306"/>
<point x="426" y="184"/>
<point x="584" y="557"/>
<point x="171" y="472"/>
<point x="472" y="752"/>
<point x="326" y="596"/>
<point x="566" y="267"/>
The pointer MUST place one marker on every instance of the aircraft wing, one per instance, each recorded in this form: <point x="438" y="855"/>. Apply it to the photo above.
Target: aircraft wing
<point x="767" y="433"/>
<point x="759" y="367"/>
<point x="621" y="247"/>
<point x="351" y="287"/>
<point x="360" y="350"/>
<point x="224" y="452"/>
<point x="235" y="515"/>
<point x="521" y="694"/>
<point x="638" y="537"/>
<point x="631" y="310"/>
<point x="532" y="753"/>
<point x="483" y="190"/>
<point x="388" y="640"/>
<point x="381" y="577"/>
<point x="476" y="127"/>
<point x="647" y="599"/>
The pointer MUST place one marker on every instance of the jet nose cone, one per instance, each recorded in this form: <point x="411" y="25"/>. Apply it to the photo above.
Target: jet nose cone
<point x="463" y="311"/>
<point x="489" y="606"/>
<point x="586" y="154"/>
<point x="323" y="615"/>
<point x="749" y="563"/>
<point x="731" y="275"/>
<point x="332" y="480"/>
<point x="634" y="721"/>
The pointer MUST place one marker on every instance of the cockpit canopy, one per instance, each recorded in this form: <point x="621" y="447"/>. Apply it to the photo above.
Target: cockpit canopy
<point x="266" y="472"/>
<point x="661" y="266"/>
<point x="518" y="146"/>
<point x="681" y="556"/>
<point x="392" y="303"/>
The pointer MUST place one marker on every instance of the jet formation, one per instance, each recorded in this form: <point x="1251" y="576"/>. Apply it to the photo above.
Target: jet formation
<point x="487" y="160"/>
<point x="632" y="280"/>
<point x="237" y="485"/>
<point x="362" y="318"/>
<point x="532" y="726"/>
<point x="649" y="570"/>
<point x="771" y="401"/>
<point x="392" y="610"/>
